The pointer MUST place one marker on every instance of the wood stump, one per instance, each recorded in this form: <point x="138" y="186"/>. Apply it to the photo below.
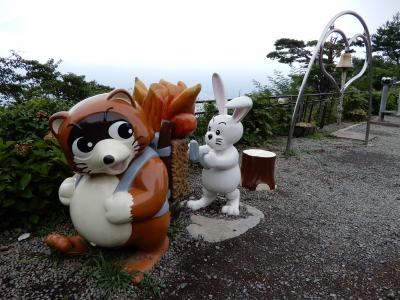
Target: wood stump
<point x="179" y="169"/>
<point x="303" y="129"/>
<point x="258" y="169"/>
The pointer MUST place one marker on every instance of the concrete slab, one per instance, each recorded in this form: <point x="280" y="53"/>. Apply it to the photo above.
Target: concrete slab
<point x="215" y="230"/>
<point x="353" y="135"/>
<point x="394" y="121"/>
<point x="348" y="133"/>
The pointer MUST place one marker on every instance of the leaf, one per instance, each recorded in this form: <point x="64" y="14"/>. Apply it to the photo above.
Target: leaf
<point x="34" y="219"/>
<point x="8" y="202"/>
<point x="24" y="181"/>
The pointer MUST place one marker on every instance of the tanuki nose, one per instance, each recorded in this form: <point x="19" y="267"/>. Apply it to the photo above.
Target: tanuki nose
<point x="209" y="136"/>
<point x="108" y="159"/>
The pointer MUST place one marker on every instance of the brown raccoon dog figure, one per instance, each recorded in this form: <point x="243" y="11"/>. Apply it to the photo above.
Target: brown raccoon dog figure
<point x="119" y="195"/>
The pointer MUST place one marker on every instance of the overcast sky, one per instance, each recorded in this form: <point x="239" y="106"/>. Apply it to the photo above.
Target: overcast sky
<point x="114" y="41"/>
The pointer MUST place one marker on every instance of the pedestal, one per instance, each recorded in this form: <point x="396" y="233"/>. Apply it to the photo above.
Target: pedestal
<point x="258" y="169"/>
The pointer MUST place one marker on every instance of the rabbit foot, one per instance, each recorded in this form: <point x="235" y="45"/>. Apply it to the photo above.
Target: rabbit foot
<point x="197" y="204"/>
<point x="230" y="210"/>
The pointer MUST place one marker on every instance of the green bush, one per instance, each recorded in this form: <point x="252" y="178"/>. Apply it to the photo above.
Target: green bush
<point x="264" y="120"/>
<point x="261" y="121"/>
<point x="210" y="110"/>
<point x="32" y="166"/>
<point x="354" y="99"/>
<point x="30" y="175"/>
<point x="28" y="121"/>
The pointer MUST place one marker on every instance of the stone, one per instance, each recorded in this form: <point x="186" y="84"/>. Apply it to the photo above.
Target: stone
<point x="216" y="230"/>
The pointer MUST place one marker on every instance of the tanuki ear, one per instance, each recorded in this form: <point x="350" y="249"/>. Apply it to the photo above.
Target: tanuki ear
<point x="121" y="94"/>
<point x="56" y="121"/>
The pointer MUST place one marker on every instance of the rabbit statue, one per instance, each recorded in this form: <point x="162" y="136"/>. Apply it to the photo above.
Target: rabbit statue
<point x="219" y="158"/>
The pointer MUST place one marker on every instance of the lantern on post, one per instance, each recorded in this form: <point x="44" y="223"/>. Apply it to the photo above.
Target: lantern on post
<point x="344" y="64"/>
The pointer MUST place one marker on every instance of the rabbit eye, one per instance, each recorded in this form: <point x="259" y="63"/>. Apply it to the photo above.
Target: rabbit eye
<point x="218" y="132"/>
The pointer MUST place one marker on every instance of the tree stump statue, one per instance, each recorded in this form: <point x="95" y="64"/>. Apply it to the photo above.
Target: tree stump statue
<point x="258" y="169"/>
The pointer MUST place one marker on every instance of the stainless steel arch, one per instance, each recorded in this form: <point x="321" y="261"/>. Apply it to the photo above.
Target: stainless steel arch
<point x="328" y="30"/>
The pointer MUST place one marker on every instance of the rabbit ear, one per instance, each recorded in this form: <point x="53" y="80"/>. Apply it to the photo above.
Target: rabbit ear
<point x="219" y="94"/>
<point x="242" y="106"/>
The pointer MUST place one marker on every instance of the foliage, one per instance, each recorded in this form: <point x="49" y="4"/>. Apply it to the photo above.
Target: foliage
<point x="387" y="40"/>
<point x="28" y="121"/>
<point x="354" y="99"/>
<point x="266" y="119"/>
<point x="391" y="103"/>
<point x="381" y="68"/>
<point x="32" y="166"/>
<point x="174" y="228"/>
<point x="151" y="286"/>
<point x="111" y="277"/>
<point x="280" y="84"/>
<point x="22" y="79"/>
<point x="30" y="175"/>
<point x="289" y="51"/>
<point x="210" y="110"/>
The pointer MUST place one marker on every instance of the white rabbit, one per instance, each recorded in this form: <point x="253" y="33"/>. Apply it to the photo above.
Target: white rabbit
<point x="220" y="159"/>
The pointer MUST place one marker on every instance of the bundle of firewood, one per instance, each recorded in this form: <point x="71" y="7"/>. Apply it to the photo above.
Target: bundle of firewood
<point x="172" y="115"/>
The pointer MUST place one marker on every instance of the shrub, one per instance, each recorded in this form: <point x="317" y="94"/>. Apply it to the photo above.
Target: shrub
<point x="32" y="165"/>
<point x="354" y="99"/>
<point x="30" y="175"/>
<point x="210" y="110"/>
<point x="28" y="121"/>
<point x="264" y="120"/>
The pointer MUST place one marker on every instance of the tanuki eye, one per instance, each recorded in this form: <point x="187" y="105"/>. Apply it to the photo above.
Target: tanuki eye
<point x="217" y="132"/>
<point x="120" y="130"/>
<point x="82" y="146"/>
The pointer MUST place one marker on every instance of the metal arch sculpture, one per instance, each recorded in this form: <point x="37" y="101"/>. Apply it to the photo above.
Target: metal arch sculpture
<point x="329" y="29"/>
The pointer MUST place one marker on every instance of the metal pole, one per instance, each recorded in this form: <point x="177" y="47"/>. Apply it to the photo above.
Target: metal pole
<point x="329" y="28"/>
<point x="397" y="114"/>
<point x="384" y="97"/>
<point x="398" y="105"/>
<point x="369" y="88"/>
<point x="340" y="104"/>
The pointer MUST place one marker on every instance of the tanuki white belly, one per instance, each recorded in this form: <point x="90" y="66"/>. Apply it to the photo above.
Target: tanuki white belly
<point x="88" y="213"/>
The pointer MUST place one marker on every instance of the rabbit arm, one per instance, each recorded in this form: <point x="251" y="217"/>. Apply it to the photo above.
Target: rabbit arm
<point x="223" y="161"/>
<point x="204" y="150"/>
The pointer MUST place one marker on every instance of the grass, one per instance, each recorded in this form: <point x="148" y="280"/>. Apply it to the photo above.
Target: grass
<point x="151" y="286"/>
<point x="111" y="277"/>
<point x="174" y="229"/>
<point x="276" y="140"/>
<point x="290" y="153"/>
<point x="319" y="135"/>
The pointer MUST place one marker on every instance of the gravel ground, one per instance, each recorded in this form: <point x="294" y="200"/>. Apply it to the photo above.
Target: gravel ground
<point x="331" y="231"/>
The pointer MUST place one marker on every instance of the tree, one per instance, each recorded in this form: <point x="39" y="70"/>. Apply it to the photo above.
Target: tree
<point x="22" y="79"/>
<point x="290" y="51"/>
<point x="387" y="40"/>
